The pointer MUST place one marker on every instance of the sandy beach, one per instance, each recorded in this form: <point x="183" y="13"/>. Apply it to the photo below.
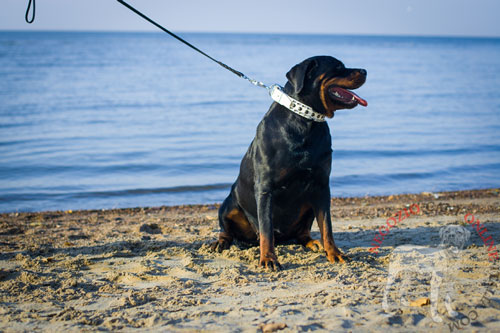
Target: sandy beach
<point x="151" y="269"/>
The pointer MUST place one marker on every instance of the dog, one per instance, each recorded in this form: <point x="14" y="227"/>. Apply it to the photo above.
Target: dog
<point x="429" y="260"/>
<point x="283" y="183"/>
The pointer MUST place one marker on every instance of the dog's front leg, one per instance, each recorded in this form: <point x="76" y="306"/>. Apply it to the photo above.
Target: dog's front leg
<point x="268" y="257"/>
<point x="324" y="220"/>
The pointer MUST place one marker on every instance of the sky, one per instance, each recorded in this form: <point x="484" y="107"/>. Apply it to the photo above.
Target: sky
<point x="478" y="18"/>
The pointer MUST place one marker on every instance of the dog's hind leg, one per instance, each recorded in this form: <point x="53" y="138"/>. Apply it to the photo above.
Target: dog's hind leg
<point x="312" y="244"/>
<point x="233" y="224"/>
<point x="225" y="238"/>
<point x="304" y="238"/>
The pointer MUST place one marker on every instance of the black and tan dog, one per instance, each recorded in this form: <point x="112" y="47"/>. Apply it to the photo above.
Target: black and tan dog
<point x="284" y="176"/>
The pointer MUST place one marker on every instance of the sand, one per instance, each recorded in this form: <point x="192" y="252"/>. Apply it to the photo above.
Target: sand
<point x="151" y="269"/>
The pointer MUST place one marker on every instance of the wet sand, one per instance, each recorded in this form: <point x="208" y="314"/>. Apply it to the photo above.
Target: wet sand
<point x="151" y="269"/>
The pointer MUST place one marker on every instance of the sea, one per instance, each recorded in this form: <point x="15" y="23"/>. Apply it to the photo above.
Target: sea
<point x="97" y="120"/>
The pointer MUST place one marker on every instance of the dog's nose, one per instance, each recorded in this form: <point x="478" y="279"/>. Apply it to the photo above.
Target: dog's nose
<point x="362" y="72"/>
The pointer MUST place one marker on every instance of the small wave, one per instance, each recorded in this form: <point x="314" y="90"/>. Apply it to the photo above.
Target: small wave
<point x="11" y="197"/>
<point x="146" y="191"/>
<point x="218" y="103"/>
<point x="341" y="153"/>
<point x="394" y="178"/>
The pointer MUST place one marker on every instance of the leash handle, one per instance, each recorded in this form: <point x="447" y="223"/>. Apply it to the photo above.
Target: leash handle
<point x="234" y="71"/>
<point x="26" y="17"/>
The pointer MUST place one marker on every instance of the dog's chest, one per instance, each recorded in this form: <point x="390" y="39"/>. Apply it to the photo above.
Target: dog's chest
<point x="291" y="181"/>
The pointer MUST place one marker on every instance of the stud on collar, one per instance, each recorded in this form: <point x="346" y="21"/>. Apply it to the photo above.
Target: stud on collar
<point x="294" y="105"/>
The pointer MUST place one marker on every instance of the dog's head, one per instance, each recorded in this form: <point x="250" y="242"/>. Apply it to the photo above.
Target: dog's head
<point x="454" y="237"/>
<point x="323" y="83"/>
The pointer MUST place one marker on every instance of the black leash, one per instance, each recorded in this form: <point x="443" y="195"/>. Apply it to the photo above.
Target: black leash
<point x="26" y="17"/>
<point x="178" y="38"/>
<point x="232" y="70"/>
<point x="275" y="90"/>
<point x="238" y="73"/>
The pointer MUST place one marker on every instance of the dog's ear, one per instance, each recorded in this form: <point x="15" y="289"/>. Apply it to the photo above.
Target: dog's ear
<point x="297" y="75"/>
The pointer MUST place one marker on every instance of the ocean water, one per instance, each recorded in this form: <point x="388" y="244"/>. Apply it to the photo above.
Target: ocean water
<point x="109" y="120"/>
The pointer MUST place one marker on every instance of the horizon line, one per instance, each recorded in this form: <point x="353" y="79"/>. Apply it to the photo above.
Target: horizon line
<point x="457" y="36"/>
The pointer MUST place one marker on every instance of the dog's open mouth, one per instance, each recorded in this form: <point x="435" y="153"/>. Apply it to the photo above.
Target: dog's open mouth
<point x="345" y="96"/>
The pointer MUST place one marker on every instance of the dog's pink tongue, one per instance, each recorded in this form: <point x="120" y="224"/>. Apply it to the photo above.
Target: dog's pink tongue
<point x="347" y="96"/>
<point x="359" y="99"/>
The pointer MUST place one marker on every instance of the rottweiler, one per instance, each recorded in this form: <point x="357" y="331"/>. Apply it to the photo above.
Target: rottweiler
<point x="283" y="184"/>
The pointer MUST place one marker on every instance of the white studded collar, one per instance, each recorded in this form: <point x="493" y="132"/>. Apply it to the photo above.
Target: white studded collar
<point x="293" y="105"/>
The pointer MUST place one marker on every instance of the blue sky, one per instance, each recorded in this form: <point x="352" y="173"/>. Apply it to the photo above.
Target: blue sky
<point x="379" y="17"/>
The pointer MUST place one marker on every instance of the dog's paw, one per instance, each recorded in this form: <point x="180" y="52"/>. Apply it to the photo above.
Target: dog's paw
<point x="220" y="245"/>
<point x="336" y="256"/>
<point x="314" y="245"/>
<point x="270" y="261"/>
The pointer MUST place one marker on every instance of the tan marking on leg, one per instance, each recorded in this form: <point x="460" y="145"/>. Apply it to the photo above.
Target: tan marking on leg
<point x="268" y="258"/>
<point x="241" y="225"/>
<point x="333" y="254"/>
